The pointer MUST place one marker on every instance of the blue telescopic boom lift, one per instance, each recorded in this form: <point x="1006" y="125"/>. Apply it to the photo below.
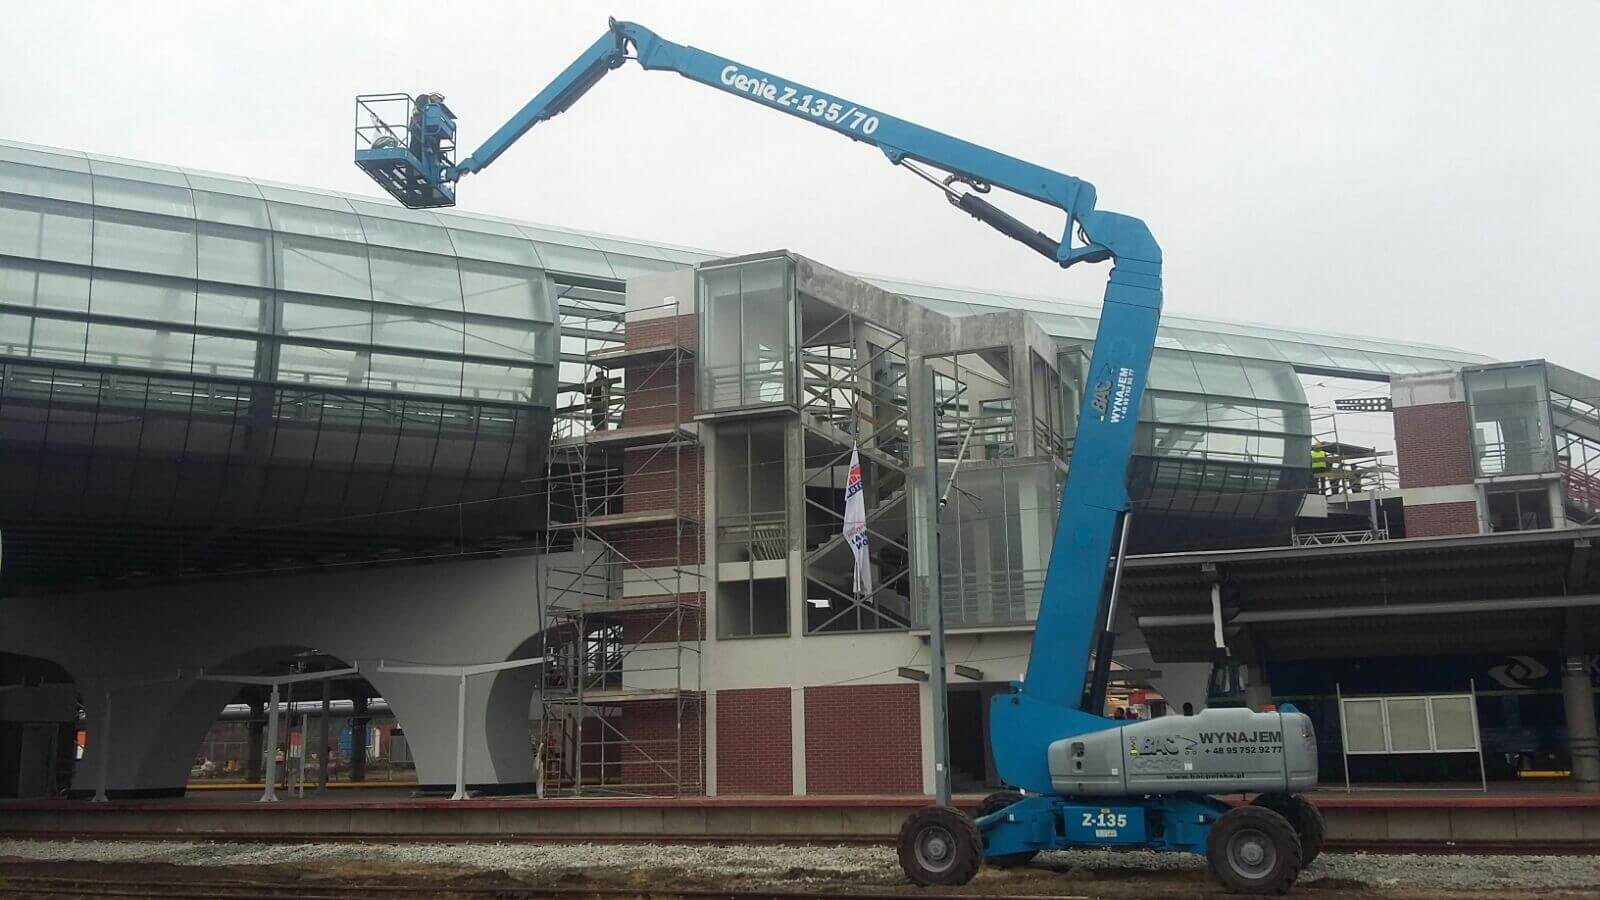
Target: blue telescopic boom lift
<point x="1084" y="779"/>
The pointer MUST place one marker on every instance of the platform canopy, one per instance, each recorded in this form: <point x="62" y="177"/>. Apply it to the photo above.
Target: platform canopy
<point x="1490" y="593"/>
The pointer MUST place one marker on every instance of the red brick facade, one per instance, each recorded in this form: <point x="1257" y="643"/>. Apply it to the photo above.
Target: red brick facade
<point x="755" y="742"/>
<point x="648" y="481"/>
<point x="654" y="750"/>
<point x="1433" y="446"/>
<point x="1435" y="519"/>
<point x="863" y="739"/>
<point x="663" y="331"/>
<point x="651" y="389"/>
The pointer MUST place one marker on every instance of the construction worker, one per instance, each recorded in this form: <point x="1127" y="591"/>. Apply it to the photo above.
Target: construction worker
<point x="599" y="401"/>
<point x="1319" y="466"/>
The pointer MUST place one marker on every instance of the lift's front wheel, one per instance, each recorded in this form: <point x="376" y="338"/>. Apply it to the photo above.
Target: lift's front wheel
<point x="1254" y="850"/>
<point x="940" y="845"/>
<point x="1303" y="815"/>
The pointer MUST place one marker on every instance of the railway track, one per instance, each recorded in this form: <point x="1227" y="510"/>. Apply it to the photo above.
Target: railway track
<point x="66" y="887"/>
<point x="1578" y="847"/>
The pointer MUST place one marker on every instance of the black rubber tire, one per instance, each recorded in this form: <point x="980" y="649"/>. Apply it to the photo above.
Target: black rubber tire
<point x="1254" y="850"/>
<point x="1304" y="816"/>
<point x="940" y="845"/>
<point x="992" y="804"/>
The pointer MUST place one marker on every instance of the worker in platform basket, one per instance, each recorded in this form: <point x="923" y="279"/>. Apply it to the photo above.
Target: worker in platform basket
<point x="414" y="127"/>
<point x="1319" y="466"/>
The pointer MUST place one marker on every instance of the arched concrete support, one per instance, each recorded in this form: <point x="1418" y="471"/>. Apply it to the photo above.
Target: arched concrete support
<point x="466" y="612"/>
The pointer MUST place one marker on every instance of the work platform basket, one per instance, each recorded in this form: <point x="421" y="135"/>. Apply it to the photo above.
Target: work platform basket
<point x="407" y="144"/>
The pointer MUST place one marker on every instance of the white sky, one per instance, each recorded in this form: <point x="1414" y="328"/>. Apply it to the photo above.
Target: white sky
<point x="1421" y="171"/>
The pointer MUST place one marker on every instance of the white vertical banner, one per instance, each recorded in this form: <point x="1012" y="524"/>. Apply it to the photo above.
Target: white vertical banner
<point x="855" y="525"/>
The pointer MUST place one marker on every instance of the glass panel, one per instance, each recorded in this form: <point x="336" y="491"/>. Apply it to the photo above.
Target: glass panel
<point x="719" y="344"/>
<point x="40" y="181"/>
<point x="487" y="381"/>
<point x="141" y="297"/>
<point x="415" y="279"/>
<point x="43" y="284"/>
<point x="327" y="321"/>
<point x="1363" y="726"/>
<point x="59" y="339"/>
<point x="313" y="266"/>
<point x="235" y="255"/>
<point x="502" y="290"/>
<point x="140" y="348"/>
<point x="633" y="266"/>
<point x="389" y="231"/>
<point x="510" y="248"/>
<point x="422" y="331"/>
<point x="1222" y="376"/>
<point x="415" y="374"/>
<point x="1274" y="381"/>
<point x="765" y="339"/>
<point x="221" y="307"/>
<point x="1510" y="421"/>
<point x="1173" y="371"/>
<point x="1408" y="726"/>
<point x="339" y="366"/>
<point x="39" y="228"/>
<point x="1453" y="725"/>
<point x="227" y="209"/>
<point x="524" y="342"/>
<point x="143" y="196"/>
<point x="144" y="243"/>
<point x="224" y="356"/>
<point x="315" y="222"/>
<point x="217" y="183"/>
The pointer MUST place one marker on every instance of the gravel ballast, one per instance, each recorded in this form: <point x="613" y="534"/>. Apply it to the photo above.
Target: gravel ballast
<point x="863" y="865"/>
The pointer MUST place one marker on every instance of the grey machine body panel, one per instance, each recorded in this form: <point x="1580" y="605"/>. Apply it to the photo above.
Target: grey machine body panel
<point x="1218" y="751"/>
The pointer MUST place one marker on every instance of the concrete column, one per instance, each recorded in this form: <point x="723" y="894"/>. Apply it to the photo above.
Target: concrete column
<point x="323" y="745"/>
<point x="358" y="740"/>
<point x="1577" y="693"/>
<point x="1257" y="692"/>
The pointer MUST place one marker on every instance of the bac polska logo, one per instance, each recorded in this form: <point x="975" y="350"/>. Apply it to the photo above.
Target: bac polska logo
<point x="1112" y="393"/>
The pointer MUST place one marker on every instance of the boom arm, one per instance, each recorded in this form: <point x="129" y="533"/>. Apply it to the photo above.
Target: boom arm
<point x="1045" y="707"/>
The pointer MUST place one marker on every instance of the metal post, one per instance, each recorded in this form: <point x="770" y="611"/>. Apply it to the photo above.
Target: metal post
<point x="1477" y="736"/>
<point x="930" y="551"/>
<point x="358" y="738"/>
<point x="269" y="777"/>
<point x="1344" y="736"/>
<point x="327" y="698"/>
<point x="100" y="795"/>
<point x="461" y="739"/>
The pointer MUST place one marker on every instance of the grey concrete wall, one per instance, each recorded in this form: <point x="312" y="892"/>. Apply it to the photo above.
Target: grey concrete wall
<point x="471" y="611"/>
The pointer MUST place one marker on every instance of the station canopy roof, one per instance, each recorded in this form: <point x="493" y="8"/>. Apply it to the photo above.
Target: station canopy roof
<point x="1507" y="592"/>
<point x="592" y="256"/>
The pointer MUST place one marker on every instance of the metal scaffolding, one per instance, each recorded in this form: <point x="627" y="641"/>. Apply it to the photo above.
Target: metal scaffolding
<point x="621" y="697"/>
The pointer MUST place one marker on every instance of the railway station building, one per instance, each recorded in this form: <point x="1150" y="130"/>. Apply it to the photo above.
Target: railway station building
<point x="584" y="496"/>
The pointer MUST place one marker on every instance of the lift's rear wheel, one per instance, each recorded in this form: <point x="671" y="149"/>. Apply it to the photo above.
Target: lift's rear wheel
<point x="940" y="845"/>
<point x="1254" y="850"/>
<point x="1304" y="816"/>
<point x="993" y="804"/>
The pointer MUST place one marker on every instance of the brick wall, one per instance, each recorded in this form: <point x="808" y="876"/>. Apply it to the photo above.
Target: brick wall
<point x="648" y="481"/>
<point x="1433" y="446"/>
<point x="658" y="395"/>
<point x="645" y="546"/>
<point x="755" y="742"/>
<point x="863" y="739"/>
<point x="652" y="756"/>
<point x="1435" y="519"/>
<point x="662" y="331"/>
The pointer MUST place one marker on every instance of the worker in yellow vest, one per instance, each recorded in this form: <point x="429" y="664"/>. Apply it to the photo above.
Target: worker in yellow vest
<point x="1319" y="467"/>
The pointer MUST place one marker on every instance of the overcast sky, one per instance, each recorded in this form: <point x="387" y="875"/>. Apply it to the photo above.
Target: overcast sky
<point x="1422" y="172"/>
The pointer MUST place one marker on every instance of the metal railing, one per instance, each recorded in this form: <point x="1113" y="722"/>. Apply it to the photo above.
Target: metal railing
<point x="1328" y="538"/>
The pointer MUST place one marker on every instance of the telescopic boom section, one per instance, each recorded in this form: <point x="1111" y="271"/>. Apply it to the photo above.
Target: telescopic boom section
<point x="1045" y="706"/>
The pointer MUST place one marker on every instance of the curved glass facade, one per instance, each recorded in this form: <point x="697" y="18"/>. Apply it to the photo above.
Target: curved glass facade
<point x="202" y="371"/>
